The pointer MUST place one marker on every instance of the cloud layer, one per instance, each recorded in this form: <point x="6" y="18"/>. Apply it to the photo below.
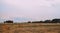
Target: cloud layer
<point x="34" y="9"/>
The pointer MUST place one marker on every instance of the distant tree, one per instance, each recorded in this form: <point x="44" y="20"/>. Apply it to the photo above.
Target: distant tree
<point x="56" y="20"/>
<point x="29" y="21"/>
<point x="41" y="21"/>
<point x="47" y="21"/>
<point x="8" y="21"/>
<point x="36" y="22"/>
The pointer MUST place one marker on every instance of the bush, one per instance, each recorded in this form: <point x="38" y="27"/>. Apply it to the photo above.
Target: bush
<point x="8" y="21"/>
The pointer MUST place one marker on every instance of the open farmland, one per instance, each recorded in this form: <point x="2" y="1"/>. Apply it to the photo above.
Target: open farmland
<point x="30" y="28"/>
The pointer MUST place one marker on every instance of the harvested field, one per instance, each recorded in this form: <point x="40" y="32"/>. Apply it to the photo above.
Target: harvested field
<point x="30" y="28"/>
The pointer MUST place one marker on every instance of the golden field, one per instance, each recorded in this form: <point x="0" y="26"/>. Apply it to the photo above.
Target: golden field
<point x="30" y="28"/>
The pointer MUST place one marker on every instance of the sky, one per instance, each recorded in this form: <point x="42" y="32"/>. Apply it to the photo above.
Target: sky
<point x="29" y="10"/>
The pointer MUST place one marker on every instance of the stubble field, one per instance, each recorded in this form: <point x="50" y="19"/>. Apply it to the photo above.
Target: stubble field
<point x="30" y="28"/>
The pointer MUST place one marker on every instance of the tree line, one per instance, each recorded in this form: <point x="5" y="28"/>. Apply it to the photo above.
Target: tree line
<point x="46" y="21"/>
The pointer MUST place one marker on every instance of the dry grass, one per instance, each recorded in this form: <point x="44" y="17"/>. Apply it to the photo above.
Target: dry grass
<point x="30" y="28"/>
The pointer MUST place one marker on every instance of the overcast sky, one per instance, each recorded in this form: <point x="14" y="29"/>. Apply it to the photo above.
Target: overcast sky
<point x="29" y="10"/>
